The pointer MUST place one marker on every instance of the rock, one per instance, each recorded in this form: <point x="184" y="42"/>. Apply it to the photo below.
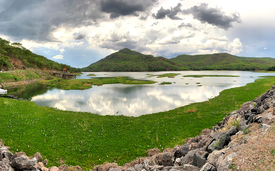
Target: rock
<point x="260" y="110"/>
<point x="212" y="146"/>
<point x="231" y="131"/>
<point x="105" y="167"/>
<point x="242" y="125"/>
<point x="45" y="162"/>
<point x="114" y="169"/>
<point x="205" y="141"/>
<point x="177" y="162"/>
<point x="224" y="165"/>
<point x="214" y="157"/>
<point x="273" y="110"/>
<point x="63" y="167"/>
<point x="152" y="152"/>
<point x="206" y="132"/>
<point x="250" y="119"/>
<point x="184" y="149"/>
<point x="246" y="106"/>
<point x="208" y="167"/>
<point x="188" y="158"/>
<point x="138" y="167"/>
<point x="198" y="160"/>
<point x="23" y="162"/>
<point x="167" y="159"/>
<point x="38" y="157"/>
<point x="54" y="168"/>
<point x="130" y="169"/>
<point x="156" y="159"/>
<point x="188" y="167"/>
<point x="177" y="154"/>
<point x="264" y="127"/>
<point x="268" y="119"/>
<point x="5" y="167"/>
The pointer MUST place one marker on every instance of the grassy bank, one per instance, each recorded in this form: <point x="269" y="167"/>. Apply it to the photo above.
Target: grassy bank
<point x="81" y="84"/>
<point x="22" y="75"/>
<point x="85" y="139"/>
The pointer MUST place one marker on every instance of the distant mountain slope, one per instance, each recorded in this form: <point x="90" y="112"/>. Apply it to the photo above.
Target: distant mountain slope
<point x="127" y="60"/>
<point x="222" y="61"/>
<point x="15" y="56"/>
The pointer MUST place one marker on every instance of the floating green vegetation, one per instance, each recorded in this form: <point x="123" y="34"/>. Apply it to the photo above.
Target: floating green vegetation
<point x="198" y="83"/>
<point x="199" y="76"/>
<point x="81" y="84"/>
<point x="91" y="75"/>
<point x="77" y="73"/>
<point x="169" y="75"/>
<point x="163" y="83"/>
<point x="85" y="139"/>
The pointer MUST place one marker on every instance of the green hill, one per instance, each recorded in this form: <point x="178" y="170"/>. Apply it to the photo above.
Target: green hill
<point x="14" y="56"/>
<point x="222" y="61"/>
<point x="127" y="60"/>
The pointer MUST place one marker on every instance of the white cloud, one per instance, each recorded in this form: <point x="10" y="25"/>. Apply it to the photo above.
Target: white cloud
<point x="62" y="50"/>
<point x="58" y="57"/>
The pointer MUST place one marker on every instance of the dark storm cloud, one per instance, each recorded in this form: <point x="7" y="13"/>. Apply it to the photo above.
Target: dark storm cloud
<point x="80" y="36"/>
<point x="118" y="8"/>
<point x="213" y="16"/>
<point x="36" y="20"/>
<point x="170" y="13"/>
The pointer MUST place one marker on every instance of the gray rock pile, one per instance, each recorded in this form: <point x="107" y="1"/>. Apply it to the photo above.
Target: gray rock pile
<point x="206" y="152"/>
<point x="21" y="162"/>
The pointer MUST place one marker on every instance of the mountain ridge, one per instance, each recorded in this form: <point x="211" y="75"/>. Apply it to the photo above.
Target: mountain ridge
<point x="128" y="60"/>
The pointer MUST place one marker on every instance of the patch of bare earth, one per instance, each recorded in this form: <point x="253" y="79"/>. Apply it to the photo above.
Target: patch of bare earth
<point x="255" y="150"/>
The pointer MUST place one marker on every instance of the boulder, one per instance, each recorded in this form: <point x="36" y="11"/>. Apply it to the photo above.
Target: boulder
<point x="156" y="159"/>
<point x="167" y="159"/>
<point x="214" y="157"/>
<point x="152" y="152"/>
<point x="38" y="157"/>
<point x="188" y="158"/>
<point x="105" y="167"/>
<point x="184" y="149"/>
<point x="23" y="163"/>
<point x="114" y="169"/>
<point x="54" y="168"/>
<point x="198" y="160"/>
<point x="177" y="154"/>
<point x="206" y="132"/>
<point x="224" y="165"/>
<point x="5" y="167"/>
<point x="130" y="169"/>
<point x="264" y="127"/>
<point x="138" y="167"/>
<point x="63" y="167"/>
<point x="208" y="167"/>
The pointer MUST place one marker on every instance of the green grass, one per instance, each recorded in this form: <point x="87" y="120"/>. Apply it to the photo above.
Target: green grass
<point x="87" y="139"/>
<point x="169" y="75"/>
<point x="163" y="83"/>
<point x="199" y="76"/>
<point x="81" y="84"/>
<point x="91" y="75"/>
<point x="22" y="75"/>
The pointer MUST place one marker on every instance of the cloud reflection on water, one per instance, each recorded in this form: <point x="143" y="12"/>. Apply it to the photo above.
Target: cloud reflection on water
<point x="129" y="100"/>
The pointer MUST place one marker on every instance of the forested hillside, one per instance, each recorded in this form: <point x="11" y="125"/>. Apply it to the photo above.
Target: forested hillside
<point x="127" y="60"/>
<point x="222" y="61"/>
<point x="15" y="56"/>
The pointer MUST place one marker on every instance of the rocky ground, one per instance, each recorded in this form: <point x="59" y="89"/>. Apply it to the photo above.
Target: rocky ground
<point x="242" y="141"/>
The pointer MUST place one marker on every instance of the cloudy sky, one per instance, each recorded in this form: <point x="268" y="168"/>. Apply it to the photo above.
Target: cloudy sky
<point x="80" y="32"/>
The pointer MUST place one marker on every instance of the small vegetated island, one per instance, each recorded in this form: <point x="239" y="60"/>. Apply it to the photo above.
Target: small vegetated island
<point x="85" y="139"/>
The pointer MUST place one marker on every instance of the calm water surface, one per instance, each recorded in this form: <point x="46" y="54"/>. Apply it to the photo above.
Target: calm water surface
<point x="136" y="100"/>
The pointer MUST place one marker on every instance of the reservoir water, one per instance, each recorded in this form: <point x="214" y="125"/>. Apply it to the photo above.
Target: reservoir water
<point x="136" y="100"/>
